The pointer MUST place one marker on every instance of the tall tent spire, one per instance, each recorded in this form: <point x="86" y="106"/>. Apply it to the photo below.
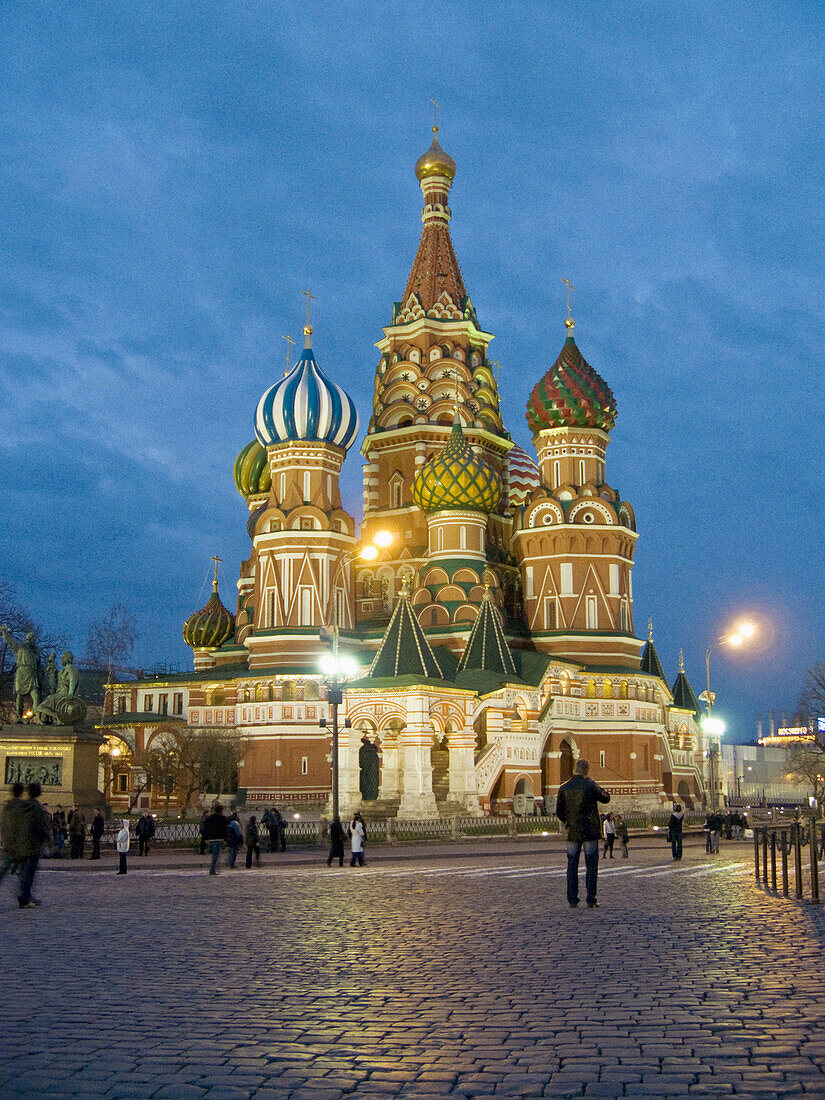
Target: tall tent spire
<point x="404" y="650"/>
<point x="487" y="647"/>
<point x="650" y="662"/>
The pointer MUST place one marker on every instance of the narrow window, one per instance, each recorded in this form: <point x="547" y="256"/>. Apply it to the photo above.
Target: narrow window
<point x="122" y="783"/>
<point x="304" y="765"/>
<point x="163" y="704"/>
<point x="307" y="486"/>
<point x="148" y="704"/>
<point x="613" y="571"/>
<point x="592" y="613"/>
<point x="462" y="539"/>
<point x="283" y="486"/>
<point x="556" y="474"/>
<point x="528" y="582"/>
<point x="566" y="578"/>
<point x="306" y="606"/>
<point x="440" y="538"/>
<point x="177" y="703"/>
<point x="582" y="472"/>
<point x="549" y="613"/>
<point x="601" y="758"/>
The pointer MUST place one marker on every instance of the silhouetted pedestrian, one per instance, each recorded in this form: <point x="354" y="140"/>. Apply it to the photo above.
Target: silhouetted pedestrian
<point x="358" y="835"/>
<point x="674" y="831"/>
<point x="60" y="832"/>
<point x="253" y="846"/>
<point x="621" y="833"/>
<point x="96" y="832"/>
<point x="35" y="831"/>
<point x="609" y="835"/>
<point x="77" y="833"/>
<point x="214" y="833"/>
<point x="145" y="831"/>
<point x="234" y="840"/>
<point x="10" y="821"/>
<point x="336" y="842"/>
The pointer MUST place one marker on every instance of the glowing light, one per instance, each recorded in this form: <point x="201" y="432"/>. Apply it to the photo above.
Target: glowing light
<point x="383" y="538"/>
<point x="747" y="630"/>
<point x="116" y="751"/>
<point x="328" y="665"/>
<point x="296" y="817"/>
<point x="348" y="666"/>
<point x="544" y="833"/>
<point x="714" y="726"/>
<point x="369" y="553"/>
<point x="735" y="639"/>
<point x="655" y="828"/>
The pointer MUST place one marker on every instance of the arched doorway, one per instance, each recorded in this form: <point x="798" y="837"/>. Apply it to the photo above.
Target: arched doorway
<point x="566" y="762"/>
<point x="440" y="760"/>
<point x="684" y="794"/>
<point x="368" y="770"/>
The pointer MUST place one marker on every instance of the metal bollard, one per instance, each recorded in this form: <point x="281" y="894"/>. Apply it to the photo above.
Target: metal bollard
<point x="773" y="860"/>
<point x="796" y="838"/>
<point x="783" y="840"/>
<point x="756" y="853"/>
<point x="765" y="857"/>
<point x="814" y="865"/>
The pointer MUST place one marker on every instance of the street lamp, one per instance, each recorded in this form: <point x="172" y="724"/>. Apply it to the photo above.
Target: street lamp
<point x="714" y="728"/>
<point x="368" y="552"/>
<point x="337" y="670"/>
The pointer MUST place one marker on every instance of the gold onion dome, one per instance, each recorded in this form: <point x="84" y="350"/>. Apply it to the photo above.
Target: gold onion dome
<point x="435" y="162"/>
<point x="456" y="478"/>
<point x="251" y="472"/>
<point x="210" y="627"/>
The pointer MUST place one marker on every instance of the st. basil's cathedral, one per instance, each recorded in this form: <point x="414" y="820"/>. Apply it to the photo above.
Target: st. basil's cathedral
<point x="494" y="633"/>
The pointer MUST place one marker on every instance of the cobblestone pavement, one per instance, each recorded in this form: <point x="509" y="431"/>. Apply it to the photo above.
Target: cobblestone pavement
<point x="423" y="979"/>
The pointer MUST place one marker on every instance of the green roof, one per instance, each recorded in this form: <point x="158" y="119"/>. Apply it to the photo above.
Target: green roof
<point x="684" y="697"/>
<point x="487" y="648"/>
<point x="650" y="662"/>
<point x="404" y="650"/>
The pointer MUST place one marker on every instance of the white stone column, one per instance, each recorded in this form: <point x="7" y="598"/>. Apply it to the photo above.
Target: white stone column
<point x="417" y="798"/>
<point x="463" y="787"/>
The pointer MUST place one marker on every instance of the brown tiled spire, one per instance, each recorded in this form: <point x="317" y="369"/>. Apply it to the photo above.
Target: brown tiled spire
<point x="435" y="271"/>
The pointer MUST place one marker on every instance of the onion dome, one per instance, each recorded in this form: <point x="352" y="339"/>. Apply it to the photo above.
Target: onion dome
<point x="571" y="395"/>
<point x="211" y="626"/>
<point x="251" y="472"/>
<point x="305" y="405"/>
<point x="456" y="478"/>
<point x="435" y="162"/>
<point x="524" y="475"/>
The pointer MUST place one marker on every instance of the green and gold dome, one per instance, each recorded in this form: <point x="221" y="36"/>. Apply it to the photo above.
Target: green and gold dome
<point x="251" y="471"/>
<point x="456" y="478"/>
<point x="210" y="627"/>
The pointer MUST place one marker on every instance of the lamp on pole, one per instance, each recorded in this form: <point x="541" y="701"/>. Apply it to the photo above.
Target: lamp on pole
<point x="712" y="726"/>
<point x="338" y="669"/>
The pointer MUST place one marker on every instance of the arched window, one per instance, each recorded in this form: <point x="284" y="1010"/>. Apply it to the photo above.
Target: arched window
<point x="440" y="538"/>
<point x="288" y="692"/>
<point x="591" y="689"/>
<point x="462" y="538"/>
<point x="607" y="689"/>
<point x="556" y="474"/>
<point x="311" y="689"/>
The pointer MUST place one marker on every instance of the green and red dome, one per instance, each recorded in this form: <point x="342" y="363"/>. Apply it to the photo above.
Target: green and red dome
<point x="571" y="395"/>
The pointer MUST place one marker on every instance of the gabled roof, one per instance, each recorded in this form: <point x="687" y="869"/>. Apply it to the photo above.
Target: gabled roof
<point x="404" y="650"/>
<point x="487" y="647"/>
<point x="684" y="697"/>
<point x="650" y="662"/>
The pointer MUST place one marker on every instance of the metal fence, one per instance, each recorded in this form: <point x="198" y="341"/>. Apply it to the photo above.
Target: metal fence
<point x="789" y="845"/>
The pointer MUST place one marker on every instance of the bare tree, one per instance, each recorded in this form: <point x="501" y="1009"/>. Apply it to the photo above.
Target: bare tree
<point x="219" y="755"/>
<point x="182" y="763"/>
<point x="807" y="760"/>
<point x="110" y="640"/>
<point x="812" y="700"/>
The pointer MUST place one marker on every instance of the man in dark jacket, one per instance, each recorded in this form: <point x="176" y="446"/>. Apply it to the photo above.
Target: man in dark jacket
<point x="577" y="808"/>
<point x="214" y="833"/>
<point x="10" y="828"/>
<point x="35" y="831"/>
<point x="145" y="831"/>
<point x="96" y="832"/>
<point x="674" y="831"/>
<point x="336" y="842"/>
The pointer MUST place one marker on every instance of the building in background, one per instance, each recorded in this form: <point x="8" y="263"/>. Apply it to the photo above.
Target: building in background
<point x="494" y="633"/>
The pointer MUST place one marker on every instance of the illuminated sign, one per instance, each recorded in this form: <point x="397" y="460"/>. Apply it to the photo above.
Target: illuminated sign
<point x="788" y="734"/>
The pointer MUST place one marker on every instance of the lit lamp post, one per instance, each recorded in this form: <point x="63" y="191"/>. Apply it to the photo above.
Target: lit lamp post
<point x="337" y="669"/>
<point x="713" y="726"/>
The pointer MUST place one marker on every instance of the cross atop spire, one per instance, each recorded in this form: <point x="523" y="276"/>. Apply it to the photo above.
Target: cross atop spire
<point x="216" y="559"/>
<point x="436" y="105"/>
<point x="570" y="324"/>
<point x="308" y="325"/>
<point x="650" y="630"/>
<point x="289" y="343"/>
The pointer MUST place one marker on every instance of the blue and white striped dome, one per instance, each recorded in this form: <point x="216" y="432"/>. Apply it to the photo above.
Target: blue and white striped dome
<point x="306" y="405"/>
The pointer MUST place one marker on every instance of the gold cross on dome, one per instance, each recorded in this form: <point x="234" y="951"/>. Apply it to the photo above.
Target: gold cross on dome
<point x="216" y="559"/>
<point x="310" y="297"/>
<point x="569" y="288"/>
<point x="289" y="343"/>
<point x="436" y="105"/>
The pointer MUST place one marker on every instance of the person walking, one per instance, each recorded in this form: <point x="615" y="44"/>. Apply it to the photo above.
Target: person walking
<point x="706" y="827"/>
<point x="716" y="825"/>
<point x="96" y="832"/>
<point x="336" y="842"/>
<point x="145" y="831"/>
<point x="269" y="823"/>
<point x="77" y="833"/>
<point x="10" y="828"/>
<point x="674" y="831"/>
<point x="234" y="840"/>
<point x="358" y="834"/>
<point x="214" y="834"/>
<point x="35" y="831"/>
<point x="280" y="822"/>
<point x="609" y="835"/>
<point x="577" y="808"/>
<point x="60" y="832"/>
<point x="253" y="846"/>
<point x="621" y="833"/>
<point x="123" y="840"/>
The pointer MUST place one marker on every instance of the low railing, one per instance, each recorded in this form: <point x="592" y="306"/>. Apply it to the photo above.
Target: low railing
<point x="788" y="843"/>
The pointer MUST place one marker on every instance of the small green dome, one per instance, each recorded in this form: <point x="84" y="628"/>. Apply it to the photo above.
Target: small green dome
<point x="456" y="478"/>
<point x="252" y="474"/>
<point x="210" y="627"/>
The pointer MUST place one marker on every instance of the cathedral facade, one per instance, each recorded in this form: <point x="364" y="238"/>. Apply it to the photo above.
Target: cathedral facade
<point x="486" y="599"/>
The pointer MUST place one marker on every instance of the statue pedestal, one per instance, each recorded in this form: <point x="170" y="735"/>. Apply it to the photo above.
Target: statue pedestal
<point x="63" y="759"/>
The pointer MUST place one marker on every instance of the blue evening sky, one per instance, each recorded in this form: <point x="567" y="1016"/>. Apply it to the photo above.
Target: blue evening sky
<point x="174" y="174"/>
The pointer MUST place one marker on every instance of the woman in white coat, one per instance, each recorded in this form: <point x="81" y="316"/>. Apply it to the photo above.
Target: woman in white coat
<point x="358" y="834"/>
<point x="123" y="839"/>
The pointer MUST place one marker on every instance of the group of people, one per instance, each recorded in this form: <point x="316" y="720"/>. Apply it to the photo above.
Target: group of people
<point x="732" y="824"/>
<point x="272" y="820"/>
<point x="355" y="832"/>
<point x="613" y="829"/>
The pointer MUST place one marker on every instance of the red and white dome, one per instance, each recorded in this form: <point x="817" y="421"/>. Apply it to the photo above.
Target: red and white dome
<point x="524" y="476"/>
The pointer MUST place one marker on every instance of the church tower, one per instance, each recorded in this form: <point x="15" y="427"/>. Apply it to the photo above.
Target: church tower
<point x="297" y="578"/>
<point x="433" y="366"/>
<point x="576" y="537"/>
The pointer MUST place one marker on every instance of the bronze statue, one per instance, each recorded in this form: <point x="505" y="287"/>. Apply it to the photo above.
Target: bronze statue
<point x="25" y="673"/>
<point x="48" y="681"/>
<point x="65" y="707"/>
